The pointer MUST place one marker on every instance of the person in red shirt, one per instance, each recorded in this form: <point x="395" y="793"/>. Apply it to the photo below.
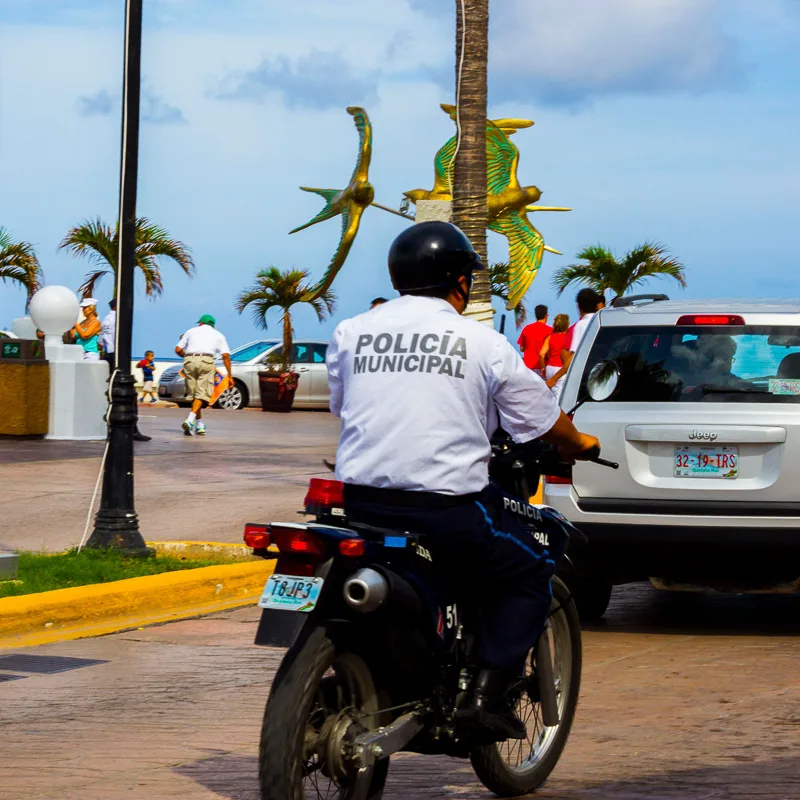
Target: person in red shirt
<point x="532" y="338"/>
<point x="550" y="354"/>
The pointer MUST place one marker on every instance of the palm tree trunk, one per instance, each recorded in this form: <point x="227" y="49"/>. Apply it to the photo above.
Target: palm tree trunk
<point x="287" y="339"/>
<point x="470" y="211"/>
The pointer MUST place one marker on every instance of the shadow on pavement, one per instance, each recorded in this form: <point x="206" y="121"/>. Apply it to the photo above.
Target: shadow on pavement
<point x="234" y="777"/>
<point x="639" y="608"/>
<point x="228" y="775"/>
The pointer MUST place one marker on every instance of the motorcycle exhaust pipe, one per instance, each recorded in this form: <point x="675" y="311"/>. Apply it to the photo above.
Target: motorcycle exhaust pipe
<point x="366" y="590"/>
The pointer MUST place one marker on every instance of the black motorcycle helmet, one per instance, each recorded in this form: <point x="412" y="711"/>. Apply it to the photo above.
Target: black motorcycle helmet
<point x="431" y="256"/>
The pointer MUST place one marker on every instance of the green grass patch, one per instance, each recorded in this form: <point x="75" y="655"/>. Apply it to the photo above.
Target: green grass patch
<point x="42" y="572"/>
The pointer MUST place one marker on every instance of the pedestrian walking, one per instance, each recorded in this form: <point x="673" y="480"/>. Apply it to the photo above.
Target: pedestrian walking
<point x="108" y="333"/>
<point x="87" y="331"/>
<point x="198" y="348"/>
<point x="550" y="355"/>
<point x="589" y="302"/>
<point x="532" y="338"/>
<point x="147" y="366"/>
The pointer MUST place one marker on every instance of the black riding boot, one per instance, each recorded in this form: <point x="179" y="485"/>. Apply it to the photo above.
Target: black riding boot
<point x="489" y="711"/>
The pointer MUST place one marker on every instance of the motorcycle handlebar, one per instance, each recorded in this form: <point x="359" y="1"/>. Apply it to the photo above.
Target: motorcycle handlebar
<point x="594" y="457"/>
<point x="547" y="456"/>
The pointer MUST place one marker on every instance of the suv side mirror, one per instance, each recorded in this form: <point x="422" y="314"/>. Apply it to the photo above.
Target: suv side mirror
<point x="602" y="381"/>
<point x="601" y="384"/>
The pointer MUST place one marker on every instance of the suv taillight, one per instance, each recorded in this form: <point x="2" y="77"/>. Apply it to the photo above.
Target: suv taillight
<point x="324" y="495"/>
<point x="710" y="319"/>
<point x="555" y="479"/>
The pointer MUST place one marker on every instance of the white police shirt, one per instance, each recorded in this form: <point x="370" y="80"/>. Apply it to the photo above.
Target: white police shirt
<point x="419" y="389"/>
<point x="204" y="339"/>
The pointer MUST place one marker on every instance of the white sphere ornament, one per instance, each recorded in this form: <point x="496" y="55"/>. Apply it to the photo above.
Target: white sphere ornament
<point x="54" y="309"/>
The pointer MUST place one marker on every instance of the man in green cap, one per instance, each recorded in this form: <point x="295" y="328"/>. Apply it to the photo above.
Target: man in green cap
<point x="199" y="347"/>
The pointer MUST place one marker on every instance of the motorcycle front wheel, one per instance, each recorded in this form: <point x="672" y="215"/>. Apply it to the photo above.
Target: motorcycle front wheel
<point x="520" y="766"/>
<point x="319" y="701"/>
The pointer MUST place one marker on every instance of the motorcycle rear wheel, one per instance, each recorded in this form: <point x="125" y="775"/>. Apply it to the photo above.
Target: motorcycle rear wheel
<point x="315" y="686"/>
<point x="518" y="767"/>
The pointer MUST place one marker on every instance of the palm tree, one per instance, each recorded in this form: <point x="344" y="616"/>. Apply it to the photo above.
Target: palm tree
<point x="604" y="273"/>
<point x="99" y="242"/>
<point x="18" y="263"/>
<point x="469" y="182"/>
<point x="498" y="275"/>
<point x="274" y="288"/>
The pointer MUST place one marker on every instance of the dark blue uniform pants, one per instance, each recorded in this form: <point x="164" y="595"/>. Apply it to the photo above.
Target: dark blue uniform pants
<point x="490" y="557"/>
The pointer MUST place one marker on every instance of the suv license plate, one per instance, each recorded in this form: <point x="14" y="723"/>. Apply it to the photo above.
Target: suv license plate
<point x="291" y="593"/>
<point x="706" y="462"/>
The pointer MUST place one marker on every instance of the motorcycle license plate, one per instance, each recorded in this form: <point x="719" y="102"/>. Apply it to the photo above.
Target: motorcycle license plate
<point x="291" y="593"/>
<point x="692" y="461"/>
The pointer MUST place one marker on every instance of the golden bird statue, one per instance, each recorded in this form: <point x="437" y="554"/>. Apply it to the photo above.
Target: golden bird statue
<point x="508" y="202"/>
<point x="350" y="202"/>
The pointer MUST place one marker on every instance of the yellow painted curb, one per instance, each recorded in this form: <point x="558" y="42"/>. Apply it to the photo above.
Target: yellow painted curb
<point x="200" y="550"/>
<point x="106" y="607"/>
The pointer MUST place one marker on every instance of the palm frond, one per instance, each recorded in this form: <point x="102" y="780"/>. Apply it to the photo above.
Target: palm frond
<point x="153" y="242"/>
<point x="274" y="288"/>
<point x="87" y="288"/>
<point x="575" y="273"/>
<point x="498" y="280"/>
<point x="93" y="240"/>
<point x="99" y="242"/>
<point x="18" y="263"/>
<point x="648" y="260"/>
<point x="596" y="253"/>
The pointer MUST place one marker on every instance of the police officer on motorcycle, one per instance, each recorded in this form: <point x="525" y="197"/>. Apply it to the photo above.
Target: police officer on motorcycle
<point x="420" y="390"/>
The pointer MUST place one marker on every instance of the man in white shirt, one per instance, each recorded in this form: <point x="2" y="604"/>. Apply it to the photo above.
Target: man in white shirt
<point x="199" y="347"/>
<point x="108" y="333"/>
<point x="589" y="303"/>
<point x="419" y="389"/>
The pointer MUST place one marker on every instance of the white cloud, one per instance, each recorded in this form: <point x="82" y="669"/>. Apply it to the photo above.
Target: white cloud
<point x="317" y="80"/>
<point x="568" y="52"/>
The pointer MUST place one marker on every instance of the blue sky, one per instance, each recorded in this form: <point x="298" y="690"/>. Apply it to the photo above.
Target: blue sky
<point x="674" y="120"/>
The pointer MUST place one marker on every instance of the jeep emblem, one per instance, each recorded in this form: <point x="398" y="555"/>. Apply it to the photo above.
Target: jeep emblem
<point x="708" y="436"/>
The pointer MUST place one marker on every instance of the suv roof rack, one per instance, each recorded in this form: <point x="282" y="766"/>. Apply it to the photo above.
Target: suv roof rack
<point x="637" y="299"/>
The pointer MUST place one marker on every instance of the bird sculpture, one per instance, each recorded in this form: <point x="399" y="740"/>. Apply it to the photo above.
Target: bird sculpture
<point x="350" y="202"/>
<point x="508" y="202"/>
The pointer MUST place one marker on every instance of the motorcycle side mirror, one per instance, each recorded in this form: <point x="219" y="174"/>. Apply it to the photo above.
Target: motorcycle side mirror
<point x="603" y="381"/>
<point x="601" y="384"/>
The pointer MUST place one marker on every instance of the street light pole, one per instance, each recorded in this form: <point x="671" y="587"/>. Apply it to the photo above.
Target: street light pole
<point x="116" y="524"/>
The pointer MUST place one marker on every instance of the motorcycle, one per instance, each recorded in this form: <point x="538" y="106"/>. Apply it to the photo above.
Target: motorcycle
<point x="380" y="654"/>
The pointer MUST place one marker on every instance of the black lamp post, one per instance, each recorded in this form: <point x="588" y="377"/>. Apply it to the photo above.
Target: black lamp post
<point x="116" y="524"/>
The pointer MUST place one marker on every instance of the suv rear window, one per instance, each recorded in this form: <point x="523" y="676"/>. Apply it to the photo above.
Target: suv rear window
<point x="704" y="364"/>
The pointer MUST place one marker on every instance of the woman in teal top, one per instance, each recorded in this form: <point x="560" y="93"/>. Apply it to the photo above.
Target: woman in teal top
<point x="87" y="333"/>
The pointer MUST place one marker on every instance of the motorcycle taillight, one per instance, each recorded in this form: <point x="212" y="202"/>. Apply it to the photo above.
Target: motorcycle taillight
<point x="297" y="542"/>
<point x="323" y="495"/>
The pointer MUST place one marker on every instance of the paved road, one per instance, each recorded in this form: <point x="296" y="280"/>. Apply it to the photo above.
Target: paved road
<point x="684" y="698"/>
<point x="252" y="466"/>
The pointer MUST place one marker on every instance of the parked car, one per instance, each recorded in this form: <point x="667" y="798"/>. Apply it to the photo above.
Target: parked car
<point x="706" y="427"/>
<point x="247" y="360"/>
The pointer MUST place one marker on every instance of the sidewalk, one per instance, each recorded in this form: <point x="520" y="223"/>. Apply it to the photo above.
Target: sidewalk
<point x="251" y="466"/>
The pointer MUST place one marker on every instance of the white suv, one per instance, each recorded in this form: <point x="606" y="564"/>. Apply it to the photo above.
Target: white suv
<point x="705" y="425"/>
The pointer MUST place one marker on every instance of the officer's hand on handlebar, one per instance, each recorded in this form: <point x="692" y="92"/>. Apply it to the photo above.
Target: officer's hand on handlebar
<point x="583" y="448"/>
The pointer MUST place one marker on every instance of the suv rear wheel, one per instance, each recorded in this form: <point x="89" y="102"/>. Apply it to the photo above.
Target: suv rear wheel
<point x="591" y="596"/>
